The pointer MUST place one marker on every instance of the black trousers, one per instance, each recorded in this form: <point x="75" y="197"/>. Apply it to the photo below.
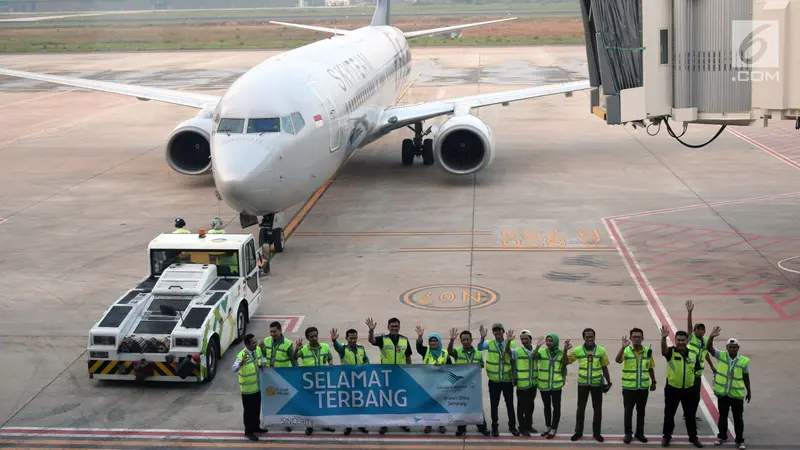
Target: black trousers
<point x="507" y="389"/>
<point x="252" y="412"/>
<point x="686" y="398"/>
<point x="525" y="406"/>
<point x="637" y="398"/>
<point x="552" y="408"/>
<point x="597" y="407"/>
<point x="737" y="405"/>
<point x="481" y="427"/>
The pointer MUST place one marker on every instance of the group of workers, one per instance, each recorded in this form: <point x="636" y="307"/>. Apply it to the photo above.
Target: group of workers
<point x="530" y="369"/>
<point x="217" y="227"/>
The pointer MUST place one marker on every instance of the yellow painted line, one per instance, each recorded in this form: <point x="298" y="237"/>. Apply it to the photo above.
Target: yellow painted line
<point x="509" y="249"/>
<point x="307" y="207"/>
<point x="395" y="233"/>
<point x="405" y="91"/>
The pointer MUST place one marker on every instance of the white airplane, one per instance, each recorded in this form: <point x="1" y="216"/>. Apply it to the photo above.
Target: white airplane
<point x="287" y="125"/>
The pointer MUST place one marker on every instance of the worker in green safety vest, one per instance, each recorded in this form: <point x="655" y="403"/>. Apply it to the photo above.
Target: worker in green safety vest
<point x="467" y="354"/>
<point x="277" y="350"/>
<point x="550" y="374"/>
<point x="592" y="369"/>
<point x="179" y="227"/>
<point x="681" y="366"/>
<point x="525" y="372"/>
<point x="216" y="226"/>
<point x="499" y="371"/>
<point x="435" y="355"/>
<point x="351" y="354"/>
<point x="246" y="364"/>
<point x="638" y="379"/>
<point x="315" y="353"/>
<point x="697" y="344"/>
<point x="395" y="349"/>
<point x="731" y="380"/>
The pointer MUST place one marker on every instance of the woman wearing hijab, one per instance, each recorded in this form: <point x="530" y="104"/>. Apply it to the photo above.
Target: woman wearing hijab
<point x="433" y="354"/>
<point x="550" y="379"/>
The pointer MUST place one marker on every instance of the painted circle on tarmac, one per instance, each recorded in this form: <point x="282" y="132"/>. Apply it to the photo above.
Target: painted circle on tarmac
<point x="449" y="297"/>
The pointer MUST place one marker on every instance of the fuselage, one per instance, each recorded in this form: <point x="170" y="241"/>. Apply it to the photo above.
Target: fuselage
<point x="286" y="126"/>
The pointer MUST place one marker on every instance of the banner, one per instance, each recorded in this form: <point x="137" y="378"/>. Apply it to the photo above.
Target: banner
<point x="372" y="395"/>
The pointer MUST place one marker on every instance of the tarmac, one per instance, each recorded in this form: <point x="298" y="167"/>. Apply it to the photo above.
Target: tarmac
<point x="576" y="224"/>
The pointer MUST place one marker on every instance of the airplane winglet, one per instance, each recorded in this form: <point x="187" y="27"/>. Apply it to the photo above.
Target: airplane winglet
<point x="312" y="27"/>
<point x="414" y="34"/>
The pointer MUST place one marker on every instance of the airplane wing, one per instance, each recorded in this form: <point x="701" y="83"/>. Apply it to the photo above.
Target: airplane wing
<point x="312" y="27"/>
<point x="175" y="97"/>
<point x="400" y="116"/>
<point x="414" y="34"/>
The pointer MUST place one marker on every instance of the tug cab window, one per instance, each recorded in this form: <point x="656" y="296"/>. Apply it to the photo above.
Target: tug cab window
<point x="162" y="259"/>
<point x="266" y="125"/>
<point x="231" y="126"/>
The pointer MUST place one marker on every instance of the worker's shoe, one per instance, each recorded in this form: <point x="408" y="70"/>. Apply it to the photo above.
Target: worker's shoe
<point x="665" y="442"/>
<point x="347" y="431"/>
<point x="406" y="429"/>
<point x="263" y="430"/>
<point x="427" y="430"/>
<point x="598" y="437"/>
<point x="551" y="434"/>
<point x="329" y="429"/>
<point x="544" y="433"/>
<point x="627" y="439"/>
<point x="525" y="432"/>
<point x="742" y="446"/>
<point x="533" y="430"/>
<point x="719" y="442"/>
<point x="309" y="430"/>
<point x="513" y="430"/>
<point x="442" y="430"/>
<point x="382" y="430"/>
<point x="576" y="436"/>
<point x="641" y="438"/>
<point x="363" y="430"/>
<point x="251" y="436"/>
<point x="495" y="431"/>
<point x="289" y="429"/>
<point x="696" y="442"/>
<point x="482" y="430"/>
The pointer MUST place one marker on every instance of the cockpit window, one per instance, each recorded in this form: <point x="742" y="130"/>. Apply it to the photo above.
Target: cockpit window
<point x="298" y="121"/>
<point x="287" y="124"/>
<point x="230" y="126"/>
<point x="269" y="125"/>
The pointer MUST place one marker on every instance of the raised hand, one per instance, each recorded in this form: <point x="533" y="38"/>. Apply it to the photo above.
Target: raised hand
<point x="540" y="341"/>
<point x="625" y="341"/>
<point x="482" y="331"/>
<point x="453" y="333"/>
<point x="334" y="334"/>
<point x="371" y="324"/>
<point x="510" y="335"/>
<point x="689" y="305"/>
<point x="420" y="331"/>
<point x="299" y="342"/>
<point x="716" y="331"/>
<point x="567" y="345"/>
<point x="246" y="358"/>
<point x="664" y="331"/>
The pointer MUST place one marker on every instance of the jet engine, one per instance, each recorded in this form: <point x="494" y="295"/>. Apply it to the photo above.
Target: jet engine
<point x="189" y="147"/>
<point x="463" y="145"/>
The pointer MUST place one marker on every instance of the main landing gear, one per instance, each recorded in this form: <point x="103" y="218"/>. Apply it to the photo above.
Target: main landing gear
<point x="418" y="147"/>
<point x="271" y="236"/>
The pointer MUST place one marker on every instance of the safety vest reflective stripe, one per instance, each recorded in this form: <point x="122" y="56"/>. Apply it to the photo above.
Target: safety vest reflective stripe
<point x="391" y="354"/>
<point x="497" y="368"/>
<point x="181" y="231"/>
<point x="248" y="372"/>
<point x="353" y="358"/>
<point x="429" y="359"/>
<point x="550" y="372"/>
<point x="585" y="378"/>
<point x="526" y="369"/>
<point x="680" y="370"/>
<point x="698" y="347"/>
<point x="279" y="355"/>
<point x="635" y="371"/>
<point x="311" y="358"/>
<point x="475" y="357"/>
<point x="729" y="380"/>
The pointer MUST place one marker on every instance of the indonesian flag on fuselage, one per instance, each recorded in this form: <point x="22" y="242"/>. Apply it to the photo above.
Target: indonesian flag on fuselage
<point x="318" y="120"/>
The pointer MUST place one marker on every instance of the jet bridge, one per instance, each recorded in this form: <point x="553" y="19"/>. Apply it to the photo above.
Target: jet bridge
<point x="713" y="62"/>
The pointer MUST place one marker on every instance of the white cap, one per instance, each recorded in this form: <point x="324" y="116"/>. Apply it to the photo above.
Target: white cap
<point x="528" y="332"/>
<point x="733" y="341"/>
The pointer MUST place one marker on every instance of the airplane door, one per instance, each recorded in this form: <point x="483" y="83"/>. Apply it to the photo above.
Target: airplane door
<point x="330" y="115"/>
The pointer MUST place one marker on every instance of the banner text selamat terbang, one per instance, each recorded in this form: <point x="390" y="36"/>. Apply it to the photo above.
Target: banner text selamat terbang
<point x="335" y="393"/>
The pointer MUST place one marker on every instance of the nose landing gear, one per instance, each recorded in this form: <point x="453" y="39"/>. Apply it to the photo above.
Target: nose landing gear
<point x="417" y="147"/>
<point x="271" y="236"/>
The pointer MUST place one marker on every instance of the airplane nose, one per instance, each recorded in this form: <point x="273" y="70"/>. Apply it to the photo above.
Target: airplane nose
<point x="243" y="171"/>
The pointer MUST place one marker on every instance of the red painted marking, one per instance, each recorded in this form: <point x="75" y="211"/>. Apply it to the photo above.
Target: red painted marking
<point x="765" y="148"/>
<point x="649" y="231"/>
<point x="791" y="300"/>
<point x="317" y="118"/>
<point x="290" y="324"/>
<point x="774" y="277"/>
<point x="771" y="302"/>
